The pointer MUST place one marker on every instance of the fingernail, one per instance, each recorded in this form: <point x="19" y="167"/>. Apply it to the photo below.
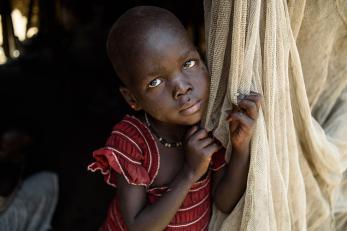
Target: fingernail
<point x="241" y="96"/>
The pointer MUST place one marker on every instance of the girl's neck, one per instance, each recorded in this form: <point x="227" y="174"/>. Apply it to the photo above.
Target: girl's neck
<point x="170" y="132"/>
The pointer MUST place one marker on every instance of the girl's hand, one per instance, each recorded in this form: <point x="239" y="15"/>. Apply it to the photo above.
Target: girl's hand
<point x="242" y="119"/>
<point x="198" y="147"/>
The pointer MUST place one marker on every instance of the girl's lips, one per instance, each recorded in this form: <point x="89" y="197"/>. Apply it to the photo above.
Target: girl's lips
<point x="192" y="109"/>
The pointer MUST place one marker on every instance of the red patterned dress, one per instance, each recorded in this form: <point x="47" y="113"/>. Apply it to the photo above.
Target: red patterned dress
<point x="132" y="151"/>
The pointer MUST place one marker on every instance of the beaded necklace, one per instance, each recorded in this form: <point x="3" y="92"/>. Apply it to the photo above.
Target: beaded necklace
<point x="161" y="139"/>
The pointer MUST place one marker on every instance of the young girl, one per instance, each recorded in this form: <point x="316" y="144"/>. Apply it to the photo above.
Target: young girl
<point x="166" y="168"/>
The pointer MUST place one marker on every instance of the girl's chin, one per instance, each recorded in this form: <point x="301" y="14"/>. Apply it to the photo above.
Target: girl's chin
<point x="192" y="120"/>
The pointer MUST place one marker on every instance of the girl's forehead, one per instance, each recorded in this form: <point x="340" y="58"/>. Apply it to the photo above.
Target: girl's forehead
<point x="164" y="55"/>
<point x="161" y="44"/>
<point x="159" y="51"/>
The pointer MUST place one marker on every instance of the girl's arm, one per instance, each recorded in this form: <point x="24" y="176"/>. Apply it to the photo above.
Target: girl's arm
<point x="230" y="182"/>
<point x="139" y="215"/>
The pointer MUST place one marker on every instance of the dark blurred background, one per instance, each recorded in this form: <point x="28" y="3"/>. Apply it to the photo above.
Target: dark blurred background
<point x="57" y="84"/>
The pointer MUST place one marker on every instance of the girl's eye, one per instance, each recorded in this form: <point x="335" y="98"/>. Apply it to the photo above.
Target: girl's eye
<point x="154" y="83"/>
<point x="189" y="64"/>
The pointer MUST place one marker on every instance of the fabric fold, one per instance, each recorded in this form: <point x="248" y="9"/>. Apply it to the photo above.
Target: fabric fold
<point x="294" y="53"/>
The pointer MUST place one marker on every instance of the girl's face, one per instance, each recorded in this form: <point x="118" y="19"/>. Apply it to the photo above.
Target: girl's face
<point x="169" y="80"/>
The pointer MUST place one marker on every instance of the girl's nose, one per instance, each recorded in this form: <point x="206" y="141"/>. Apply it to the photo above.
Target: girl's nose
<point x="181" y="88"/>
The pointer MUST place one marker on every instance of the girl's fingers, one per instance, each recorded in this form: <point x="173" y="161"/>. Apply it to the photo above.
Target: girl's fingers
<point x="232" y="124"/>
<point x="207" y="141"/>
<point x="240" y="119"/>
<point x="199" y="134"/>
<point x="191" y="131"/>
<point x="212" y="148"/>
<point x="254" y="97"/>
<point x="250" y="108"/>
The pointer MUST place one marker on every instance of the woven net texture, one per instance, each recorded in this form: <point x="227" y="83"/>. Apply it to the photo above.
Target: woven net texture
<point x="295" y="54"/>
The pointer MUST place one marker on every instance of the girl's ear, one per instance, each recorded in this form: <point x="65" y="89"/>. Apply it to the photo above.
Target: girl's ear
<point x="130" y="98"/>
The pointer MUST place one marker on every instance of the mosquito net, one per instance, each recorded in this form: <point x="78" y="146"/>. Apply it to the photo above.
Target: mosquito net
<point x="295" y="54"/>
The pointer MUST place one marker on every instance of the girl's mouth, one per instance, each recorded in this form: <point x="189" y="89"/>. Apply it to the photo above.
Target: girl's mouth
<point x="192" y="108"/>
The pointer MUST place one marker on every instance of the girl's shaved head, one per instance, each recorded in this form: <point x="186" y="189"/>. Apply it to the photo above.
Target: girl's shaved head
<point x="128" y="36"/>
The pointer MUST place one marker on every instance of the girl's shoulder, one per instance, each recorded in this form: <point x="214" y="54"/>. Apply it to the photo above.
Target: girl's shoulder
<point x="130" y="151"/>
<point x="132" y="130"/>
